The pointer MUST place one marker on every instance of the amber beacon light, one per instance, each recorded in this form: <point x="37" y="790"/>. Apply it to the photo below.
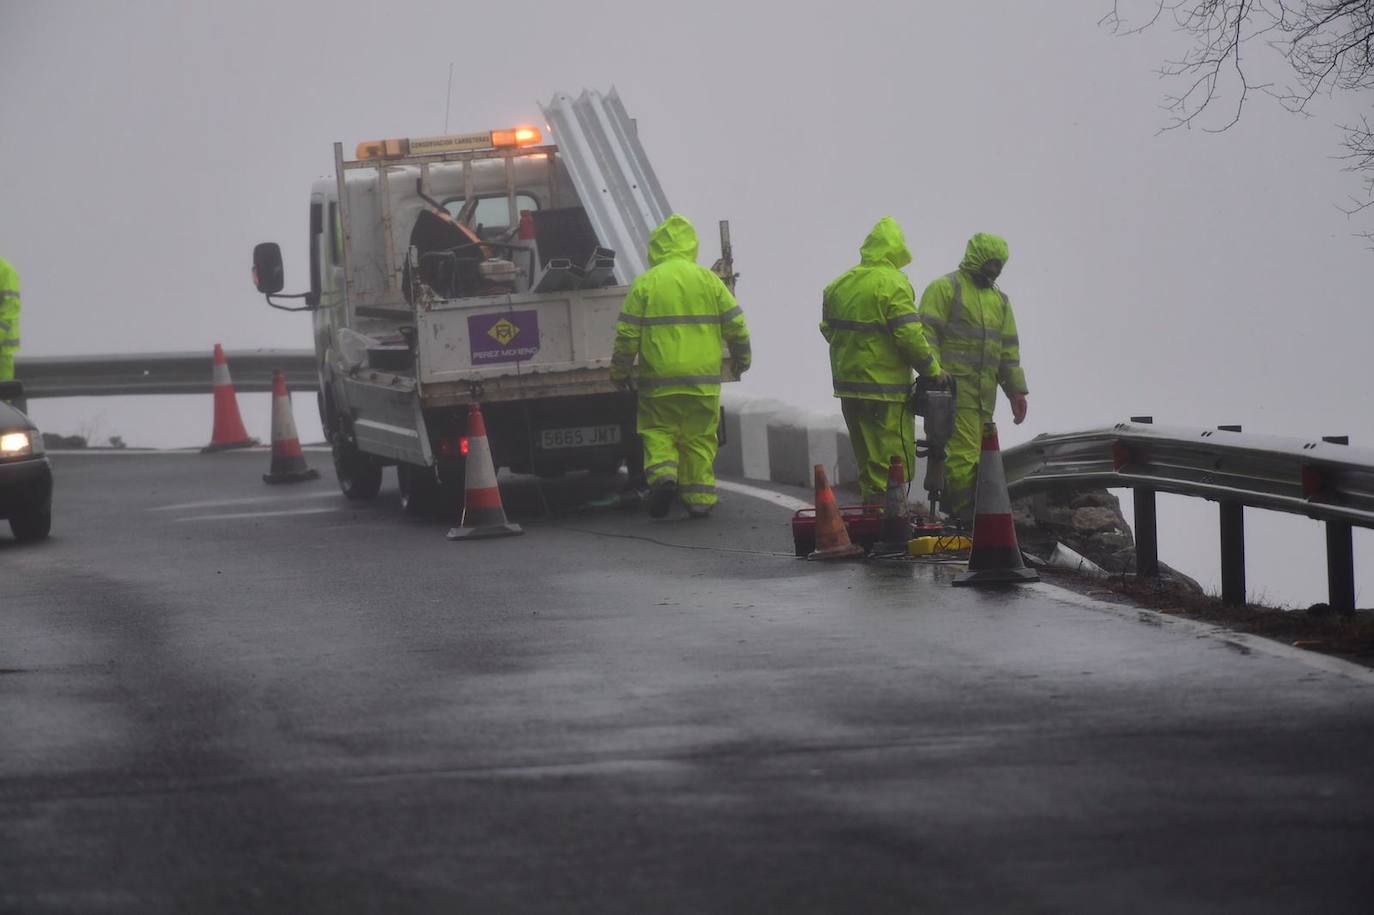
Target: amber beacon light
<point x="514" y="137"/>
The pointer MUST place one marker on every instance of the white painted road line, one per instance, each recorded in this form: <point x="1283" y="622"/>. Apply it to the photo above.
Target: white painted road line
<point x="767" y="495"/>
<point x="251" y="500"/>
<point x="240" y="515"/>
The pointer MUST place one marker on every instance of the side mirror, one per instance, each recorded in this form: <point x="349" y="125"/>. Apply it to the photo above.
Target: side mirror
<point x="268" y="273"/>
<point x="11" y="391"/>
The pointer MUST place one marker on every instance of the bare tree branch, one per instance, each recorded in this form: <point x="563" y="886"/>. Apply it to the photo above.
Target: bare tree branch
<point x="1327" y="44"/>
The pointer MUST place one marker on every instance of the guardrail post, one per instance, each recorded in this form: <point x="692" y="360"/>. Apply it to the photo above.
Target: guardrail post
<point x="1146" y="533"/>
<point x="1233" y="554"/>
<point x="1232" y="547"/>
<point x="1146" y="524"/>
<point x="1340" y="567"/>
<point x="1340" y="555"/>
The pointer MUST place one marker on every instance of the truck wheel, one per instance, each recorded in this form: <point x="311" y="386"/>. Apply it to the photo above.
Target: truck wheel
<point x="419" y="490"/>
<point x="360" y="477"/>
<point x="33" y="524"/>
<point x="452" y="472"/>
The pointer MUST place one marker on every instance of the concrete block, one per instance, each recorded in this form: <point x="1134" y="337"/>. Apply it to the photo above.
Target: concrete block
<point x="797" y="441"/>
<point x="846" y="467"/>
<point x="745" y="452"/>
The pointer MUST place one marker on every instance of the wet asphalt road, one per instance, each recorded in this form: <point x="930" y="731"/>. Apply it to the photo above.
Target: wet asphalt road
<point x="207" y="708"/>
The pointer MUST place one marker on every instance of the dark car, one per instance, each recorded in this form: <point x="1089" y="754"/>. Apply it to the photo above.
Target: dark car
<point x="25" y="472"/>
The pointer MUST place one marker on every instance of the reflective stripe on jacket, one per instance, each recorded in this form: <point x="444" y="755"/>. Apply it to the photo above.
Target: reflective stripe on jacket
<point x="868" y="316"/>
<point x="674" y="318"/>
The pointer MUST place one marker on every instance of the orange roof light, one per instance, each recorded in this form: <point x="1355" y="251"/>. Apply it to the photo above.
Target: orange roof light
<point x="516" y="136"/>
<point x="461" y="142"/>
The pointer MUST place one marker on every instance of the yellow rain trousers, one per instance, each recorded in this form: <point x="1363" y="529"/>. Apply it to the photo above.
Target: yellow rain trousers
<point x="974" y="330"/>
<point x="676" y="318"/>
<point x="869" y="320"/>
<point x="9" y="318"/>
<point x="879" y="430"/>
<point x="679" y="432"/>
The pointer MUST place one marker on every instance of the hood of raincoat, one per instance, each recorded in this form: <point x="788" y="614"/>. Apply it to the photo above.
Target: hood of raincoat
<point x="886" y="245"/>
<point x="674" y="238"/>
<point x="983" y="248"/>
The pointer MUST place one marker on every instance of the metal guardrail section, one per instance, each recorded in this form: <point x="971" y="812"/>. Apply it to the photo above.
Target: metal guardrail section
<point x="1321" y="479"/>
<point x="160" y="373"/>
<point x="1325" y="480"/>
<point x="599" y="144"/>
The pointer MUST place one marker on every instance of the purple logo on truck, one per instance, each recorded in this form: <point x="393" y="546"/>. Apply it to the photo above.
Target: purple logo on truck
<point x="511" y="336"/>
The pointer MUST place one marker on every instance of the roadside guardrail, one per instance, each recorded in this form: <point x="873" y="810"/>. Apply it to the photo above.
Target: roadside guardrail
<point x="1325" y="480"/>
<point x="160" y="373"/>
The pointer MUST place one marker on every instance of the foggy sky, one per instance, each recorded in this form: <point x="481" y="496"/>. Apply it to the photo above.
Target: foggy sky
<point x="1201" y="278"/>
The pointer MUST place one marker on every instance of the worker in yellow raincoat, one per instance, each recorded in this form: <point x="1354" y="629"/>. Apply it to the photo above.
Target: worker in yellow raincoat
<point x="970" y="323"/>
<point x="868" y="316"/>
<point x="9" y="318"/>
<point x="673" y="321"/>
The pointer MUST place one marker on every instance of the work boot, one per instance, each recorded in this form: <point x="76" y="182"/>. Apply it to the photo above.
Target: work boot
<point x="697" y="512"/>
<point x="661" y="498"/>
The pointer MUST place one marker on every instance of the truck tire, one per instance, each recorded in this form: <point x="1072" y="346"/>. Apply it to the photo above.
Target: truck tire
<point x="32" y="524"/>
<point x="360" y="477"/>
<point x="419" y="488"/>
<point x="428" y="492"/>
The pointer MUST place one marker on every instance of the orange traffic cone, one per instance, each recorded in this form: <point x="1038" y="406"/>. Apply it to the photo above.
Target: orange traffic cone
<point x="483" y="514"/>
<point x="288" y="463"/>
<point x="832" y="537"/>
<point x="228" y="431"/>
<point x="996" y="556"/>
<point x="896" y="526"/>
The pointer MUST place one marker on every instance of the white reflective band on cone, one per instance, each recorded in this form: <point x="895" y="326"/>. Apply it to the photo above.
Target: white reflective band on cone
<point x="481" y="473"/>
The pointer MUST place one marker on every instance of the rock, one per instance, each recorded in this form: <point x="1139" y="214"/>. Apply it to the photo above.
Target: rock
<point x="1116" y="541"/>
<point x="1091" y="523"/>
<point x="1169" y="573"/>
<point x="1096" y="519"/>
<point x="1095" y="498"/>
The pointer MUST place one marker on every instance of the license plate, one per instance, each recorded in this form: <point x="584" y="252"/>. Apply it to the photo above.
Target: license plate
<point x="579" y="437"/>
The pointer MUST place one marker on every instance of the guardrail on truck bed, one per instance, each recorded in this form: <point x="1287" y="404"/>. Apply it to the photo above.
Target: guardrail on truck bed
<point x="1325" y="480"/>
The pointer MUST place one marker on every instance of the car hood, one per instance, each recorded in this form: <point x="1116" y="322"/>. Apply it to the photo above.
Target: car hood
<point x="10" y="418"/>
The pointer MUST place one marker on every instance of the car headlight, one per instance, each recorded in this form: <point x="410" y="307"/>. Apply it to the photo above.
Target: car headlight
<point x="15" y="444"/>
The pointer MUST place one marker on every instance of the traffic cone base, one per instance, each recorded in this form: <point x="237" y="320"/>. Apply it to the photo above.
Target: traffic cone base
<point x="288" y="462"/>
<point x="896" y="527"/>
<point x="1019" y="576"/>
<point x="995" y="558"/>
<point x="486" y="532"/>
<point x="484" y="517"/>
<point x="228" y="429"/>
<point x="832" y="537"/>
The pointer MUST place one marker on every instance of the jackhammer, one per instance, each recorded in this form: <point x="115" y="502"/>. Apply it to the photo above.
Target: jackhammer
<point x="935" y="405"/>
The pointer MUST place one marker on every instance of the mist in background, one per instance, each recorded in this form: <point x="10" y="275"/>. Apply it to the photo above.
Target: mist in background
<point x="1199" y="278"/>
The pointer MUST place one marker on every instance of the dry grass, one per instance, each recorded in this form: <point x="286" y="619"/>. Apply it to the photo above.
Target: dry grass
<point x="1349" y="636"/>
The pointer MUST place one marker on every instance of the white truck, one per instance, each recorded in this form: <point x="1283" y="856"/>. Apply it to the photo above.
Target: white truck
<point x="486" y="267"/>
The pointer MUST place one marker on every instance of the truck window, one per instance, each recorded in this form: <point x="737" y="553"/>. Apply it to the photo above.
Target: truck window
<point x="335" y="235"/>
<point x="316" y="230"/>
<point x="492" y="212"/>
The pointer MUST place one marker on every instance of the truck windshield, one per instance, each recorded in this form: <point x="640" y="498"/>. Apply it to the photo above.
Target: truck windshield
<point x="491" y="212"/>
